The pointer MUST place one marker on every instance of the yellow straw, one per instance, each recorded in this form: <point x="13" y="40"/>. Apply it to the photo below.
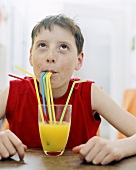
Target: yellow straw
<point x="48" y="98"/>
<point x="36" y="88"/>
<point x="52" y="104"/>
<point x="70" y="93"/>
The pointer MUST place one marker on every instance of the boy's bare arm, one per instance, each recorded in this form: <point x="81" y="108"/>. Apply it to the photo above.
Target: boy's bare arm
<point x="9" y="142"/>
<point x="122" y="120"/>
<point x="3" y="101"/>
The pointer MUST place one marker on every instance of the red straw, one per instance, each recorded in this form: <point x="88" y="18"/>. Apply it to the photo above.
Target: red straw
<point x="45" y="117"/>
<point x="15" y="76"/>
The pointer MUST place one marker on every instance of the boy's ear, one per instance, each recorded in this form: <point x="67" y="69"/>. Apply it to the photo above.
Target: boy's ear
<point x="80" y="61"/>
<point x="30" y="58"/>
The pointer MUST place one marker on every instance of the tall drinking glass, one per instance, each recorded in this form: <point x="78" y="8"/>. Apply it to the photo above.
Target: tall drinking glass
<point x="54" y="134"/>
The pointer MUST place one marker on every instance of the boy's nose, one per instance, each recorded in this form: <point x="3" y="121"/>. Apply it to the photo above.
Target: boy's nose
<point x="50" y="60"/>
<point x="51" y="57"/>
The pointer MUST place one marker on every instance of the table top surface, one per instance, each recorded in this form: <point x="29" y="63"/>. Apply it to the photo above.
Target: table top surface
<point x="37" y="160"/>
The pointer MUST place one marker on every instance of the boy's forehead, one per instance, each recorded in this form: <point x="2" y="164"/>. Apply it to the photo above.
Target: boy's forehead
<point x="55" y="29"/>
<point x="56" y="35"/>
<point x="52" y="28"/>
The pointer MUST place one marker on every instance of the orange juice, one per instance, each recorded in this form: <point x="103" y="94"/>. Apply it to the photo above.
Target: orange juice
<point x="54" y="137"/>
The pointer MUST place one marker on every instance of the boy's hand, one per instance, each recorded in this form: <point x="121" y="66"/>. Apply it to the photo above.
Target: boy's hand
<point x="100" y="151"/>
<point x="10" y="144"/>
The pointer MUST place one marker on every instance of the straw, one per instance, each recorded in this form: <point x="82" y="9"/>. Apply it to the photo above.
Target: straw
<point x="15" y="77"/>
<point x="49" y="95"/>
<point x="70" y="93"/>
<point x="45" y="86"/>
<point x="36" y="88"/>
<point x="43" y="94"/>
<point x="52" y="104"/>
<point x="48" y="98"/>
<point x="22" y="80"/>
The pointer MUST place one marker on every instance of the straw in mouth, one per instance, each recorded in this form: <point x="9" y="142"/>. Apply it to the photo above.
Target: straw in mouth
<point x="51" y="98"/>
<point x="47" y="94"/>
<point x="43" y="92"/>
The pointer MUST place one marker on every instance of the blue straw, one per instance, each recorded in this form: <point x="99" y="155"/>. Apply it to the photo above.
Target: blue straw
<point x="43" y="94"/>
<point x="45" y="86"/>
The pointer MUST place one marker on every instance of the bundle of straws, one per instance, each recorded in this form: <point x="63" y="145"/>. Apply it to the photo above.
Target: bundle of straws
<point x="47" y="96"/>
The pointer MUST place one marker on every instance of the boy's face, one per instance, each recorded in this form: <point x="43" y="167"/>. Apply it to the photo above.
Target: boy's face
<point x="55" y="51"/>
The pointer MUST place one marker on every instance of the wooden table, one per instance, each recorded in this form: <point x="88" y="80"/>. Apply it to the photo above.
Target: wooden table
<point x="37" y="160"/>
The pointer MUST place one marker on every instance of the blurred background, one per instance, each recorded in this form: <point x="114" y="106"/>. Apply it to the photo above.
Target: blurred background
<point x="109" y="29"/>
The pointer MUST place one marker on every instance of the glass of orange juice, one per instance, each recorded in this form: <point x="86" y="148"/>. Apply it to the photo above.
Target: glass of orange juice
<point x="54" y="134"/>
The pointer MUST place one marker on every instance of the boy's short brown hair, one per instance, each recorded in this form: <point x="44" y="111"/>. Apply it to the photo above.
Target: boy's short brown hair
<point x="64" y="22"/>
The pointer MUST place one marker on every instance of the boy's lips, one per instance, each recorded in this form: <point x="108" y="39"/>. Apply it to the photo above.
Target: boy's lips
<point x="52" y="71"/>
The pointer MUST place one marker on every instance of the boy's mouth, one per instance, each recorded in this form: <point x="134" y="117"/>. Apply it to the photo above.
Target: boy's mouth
<point x="52" y="71"/>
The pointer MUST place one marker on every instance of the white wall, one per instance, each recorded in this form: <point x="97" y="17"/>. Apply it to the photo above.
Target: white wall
<point x="104" y="28"/>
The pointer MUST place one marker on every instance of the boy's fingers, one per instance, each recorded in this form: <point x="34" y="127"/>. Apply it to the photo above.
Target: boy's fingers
<point x="77" y="148"/>
<point x="3" y="151"/>
<point x="25" y="147"/>
<point x="9" y="146"/>
<point x="20" y="148"/>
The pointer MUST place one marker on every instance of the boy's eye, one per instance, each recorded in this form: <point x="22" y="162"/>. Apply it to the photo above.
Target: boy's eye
<point x="63" y="47"/>
<point x="42" y="45"/>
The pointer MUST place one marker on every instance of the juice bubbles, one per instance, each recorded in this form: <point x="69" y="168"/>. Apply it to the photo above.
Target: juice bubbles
<point x="54" y="137"/>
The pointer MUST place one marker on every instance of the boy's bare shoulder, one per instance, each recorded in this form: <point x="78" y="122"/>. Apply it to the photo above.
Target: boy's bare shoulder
<point x="3" y="101"/>
<point x="4" y="92"/>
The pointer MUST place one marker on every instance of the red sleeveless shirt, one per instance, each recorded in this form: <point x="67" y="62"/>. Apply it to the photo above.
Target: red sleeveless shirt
<point x="22" y="113"/>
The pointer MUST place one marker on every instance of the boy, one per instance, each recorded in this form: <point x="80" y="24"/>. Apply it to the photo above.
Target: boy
<point x="57" y="44"/>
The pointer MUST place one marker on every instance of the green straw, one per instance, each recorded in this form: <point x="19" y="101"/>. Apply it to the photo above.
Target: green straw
<point x="70" y="93"/>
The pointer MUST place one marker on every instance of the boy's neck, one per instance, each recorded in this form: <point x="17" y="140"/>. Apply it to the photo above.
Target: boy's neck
<point x="59" y="92"/>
